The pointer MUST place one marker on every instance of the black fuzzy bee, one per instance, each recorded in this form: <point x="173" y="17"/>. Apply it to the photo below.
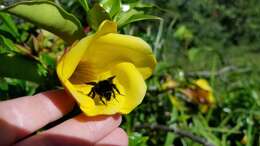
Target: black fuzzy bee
<point x="104" y="88"/>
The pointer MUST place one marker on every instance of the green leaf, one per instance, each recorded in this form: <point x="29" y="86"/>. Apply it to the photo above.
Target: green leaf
<point x="194" y="53"/>
<point x="84" y="4"/>
<point x="49" y="16"/>
<point x="3" y="85"/>
<point x="8" y="25"/>
<point x="48" y="59"/>
<point x="137" y="139"/>
<point x="21" y="67"/>
<point x="111" y="6"/>
<point x="7" y="46"/>
<point x="133" y="16"/>
<point x="96" y="16"/>
<point x="183" y="33"/>
<point x="140" y="5"/>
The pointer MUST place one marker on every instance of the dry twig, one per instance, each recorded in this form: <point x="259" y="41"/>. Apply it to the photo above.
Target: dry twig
<point x="180" y="132"/>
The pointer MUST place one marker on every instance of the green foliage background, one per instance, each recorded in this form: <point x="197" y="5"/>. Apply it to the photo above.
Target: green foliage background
<point x="216" y="40"/>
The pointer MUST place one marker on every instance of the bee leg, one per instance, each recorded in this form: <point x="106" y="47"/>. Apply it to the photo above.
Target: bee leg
<point x="114" y="87"/>
<point x="114" y="95"/>
<point x="91" y="93"/>
<point x="102" y="100"/>
<point x="108" y="96"/>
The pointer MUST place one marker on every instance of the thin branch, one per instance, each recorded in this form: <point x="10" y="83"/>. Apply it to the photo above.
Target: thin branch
<point x="180" y="132"/>
<point x="224" y="70"/>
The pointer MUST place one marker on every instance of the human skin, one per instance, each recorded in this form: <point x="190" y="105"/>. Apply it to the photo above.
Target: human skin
<point x="21" y="117"/>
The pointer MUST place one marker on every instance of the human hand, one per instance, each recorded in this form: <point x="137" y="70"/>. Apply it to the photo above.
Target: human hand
<point x="20" y="117"/>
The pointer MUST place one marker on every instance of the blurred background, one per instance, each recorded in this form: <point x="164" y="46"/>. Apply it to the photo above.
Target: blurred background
<point x="205" y="89"/>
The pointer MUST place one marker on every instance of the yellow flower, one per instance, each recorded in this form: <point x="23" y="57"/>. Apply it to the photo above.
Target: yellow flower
<point x="103" y="55"/>
<point x="204" y="85"/>
<point x="201" y="94"/>
<point x="209" y="97"/>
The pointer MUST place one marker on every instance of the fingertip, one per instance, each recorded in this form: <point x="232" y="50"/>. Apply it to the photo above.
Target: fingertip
<point x="80" y="130"/>
<point x="24" y="115"/>
<point x="118" y="137"/>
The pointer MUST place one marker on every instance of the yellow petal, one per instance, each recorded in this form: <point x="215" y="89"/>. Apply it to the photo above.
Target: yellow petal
<point x="106" y="27"/>
<point x="211" y="99"/>
<point x="113" y="48"/>
<point x="203" y="84"/>
<point x="70" y="60"/>
<point x="133" y="83"/>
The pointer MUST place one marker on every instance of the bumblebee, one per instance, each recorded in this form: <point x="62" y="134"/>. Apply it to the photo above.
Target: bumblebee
<point x="104" y="89"/>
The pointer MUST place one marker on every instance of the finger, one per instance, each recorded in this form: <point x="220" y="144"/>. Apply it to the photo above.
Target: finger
<point x="22" y="116"/>
<point x="80" y="131"/>
<point x="118" y="137"/>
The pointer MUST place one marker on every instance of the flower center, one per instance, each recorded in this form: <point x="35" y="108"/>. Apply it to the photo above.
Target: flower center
<point x="105" y="89"/>
<point x="84" y="72"/>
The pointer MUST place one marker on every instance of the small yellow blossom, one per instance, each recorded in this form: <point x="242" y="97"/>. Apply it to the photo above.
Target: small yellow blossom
<point x="201" y="94"/>
<point x="101" y="56"/>
<point x="204" y="85"/>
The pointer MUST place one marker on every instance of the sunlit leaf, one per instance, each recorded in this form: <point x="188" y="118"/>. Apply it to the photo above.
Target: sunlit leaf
<point x="8" y="26"/>
<point x="48" y="59"/>
<point x="140" y="4"/>
<point x="122" y="18"/>
<point x="7" y="45"/>
<point x="183" y="33"/>
<point x="111" y="6"/>
<point x="133" y="16"/>
<point x="49" y="16"/>
<point x="96" y="15"/>
<point x="137" y="139"/>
